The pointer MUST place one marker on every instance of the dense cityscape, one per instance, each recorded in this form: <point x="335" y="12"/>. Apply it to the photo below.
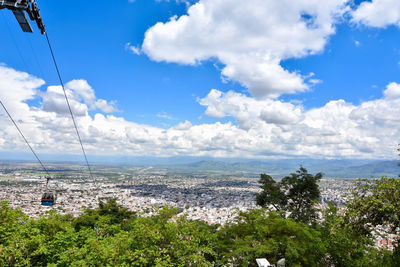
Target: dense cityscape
<point x="211" y="198"/>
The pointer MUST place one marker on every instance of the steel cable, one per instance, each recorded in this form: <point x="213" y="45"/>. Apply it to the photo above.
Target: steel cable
<point x="26" y="141"/>
<point x="69" y="106"/>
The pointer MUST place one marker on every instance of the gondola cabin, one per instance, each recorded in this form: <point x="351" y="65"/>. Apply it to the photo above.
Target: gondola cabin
<point x="49" y="198"/>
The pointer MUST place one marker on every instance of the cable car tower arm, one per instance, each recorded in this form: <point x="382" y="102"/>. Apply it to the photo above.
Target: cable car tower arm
<point x="30" y="7"/>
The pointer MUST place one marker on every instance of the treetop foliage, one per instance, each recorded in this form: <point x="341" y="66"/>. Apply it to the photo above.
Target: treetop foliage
<point x="296" y="194"/>
<point x="112" y="235"/>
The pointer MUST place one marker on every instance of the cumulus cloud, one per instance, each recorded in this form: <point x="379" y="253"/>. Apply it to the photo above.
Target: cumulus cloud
<point x="264" y="128"/>
<point x="81" y="98"/>
<point x="392" y="90"/>
<point x="53" y="100"/>
<point x="378" y="13"/>
<point x="338" y="129"/>
<point x="250" y="38"/>
<point x="249" y="111"/>
<point x="17" y="88"/>
<point x="183" y="126"/>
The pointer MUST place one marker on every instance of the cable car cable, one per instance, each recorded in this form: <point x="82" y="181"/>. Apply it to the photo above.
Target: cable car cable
<point x="26" y="141"/>
<point x="35" y="57"/>
<point x="15" y="43"/>
<point x="69" y="106"/>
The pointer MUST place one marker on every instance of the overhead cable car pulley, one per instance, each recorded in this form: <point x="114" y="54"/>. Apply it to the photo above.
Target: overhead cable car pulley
<point x="19" y="7"/>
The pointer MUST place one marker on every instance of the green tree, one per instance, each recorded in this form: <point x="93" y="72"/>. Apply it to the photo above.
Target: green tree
<point x="271" y="193"/>
<point x="262" y="234"/>
<point x="13" y="236"/>
<point x="296" y="194"/>
<point x="116" y="212"/>
<point x="345" y="245"/>
<point x="374" y="203"/>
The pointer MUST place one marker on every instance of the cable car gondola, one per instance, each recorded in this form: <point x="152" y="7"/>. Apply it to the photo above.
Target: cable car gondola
<point x="49" y="197"/>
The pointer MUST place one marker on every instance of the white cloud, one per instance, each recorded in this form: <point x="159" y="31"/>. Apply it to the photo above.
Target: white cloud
<point x="53" y="100"/>
<point x="392" y="90"/>
<point x="183" y="126"/>
<point x="16" y="88"/>
<point x="249" y="111"/>
<point x="250" y="38"/>
<point x="134" y="49"/>
<point x="81" y="98"/>
<point x="378" y="13"/>
<point x="338" y="129"/>
<point x="265" y="127"/>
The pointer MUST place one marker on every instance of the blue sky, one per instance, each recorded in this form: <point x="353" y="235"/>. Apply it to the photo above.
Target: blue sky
<point x="355" y="66"/>
<point x="155" y="65"/>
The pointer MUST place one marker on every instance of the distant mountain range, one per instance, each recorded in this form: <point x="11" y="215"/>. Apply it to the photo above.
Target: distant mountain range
<point x="343" y="168"/>
<point x="280" y="168"/>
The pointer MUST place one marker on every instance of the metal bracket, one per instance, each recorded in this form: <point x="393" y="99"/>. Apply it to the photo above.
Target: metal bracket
<point x="18" y="7"/>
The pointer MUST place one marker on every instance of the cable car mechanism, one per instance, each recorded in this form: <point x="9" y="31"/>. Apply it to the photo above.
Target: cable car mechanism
<point x="18" y="7"/>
